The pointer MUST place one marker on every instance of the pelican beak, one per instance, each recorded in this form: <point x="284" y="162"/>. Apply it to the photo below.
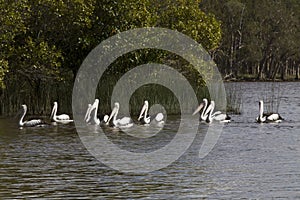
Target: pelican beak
<point x="87" y="114"/>
<point x="52" y="113"/>
<point x="198" y="109"/>
<point x="19" y="112"/>
<point x="142" y="112"/>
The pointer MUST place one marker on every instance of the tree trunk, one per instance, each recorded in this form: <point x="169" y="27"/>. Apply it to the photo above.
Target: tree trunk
<point x="297" y="72"/>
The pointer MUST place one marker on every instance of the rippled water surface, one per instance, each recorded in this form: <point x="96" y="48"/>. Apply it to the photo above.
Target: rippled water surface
<point x="250" y="160"/>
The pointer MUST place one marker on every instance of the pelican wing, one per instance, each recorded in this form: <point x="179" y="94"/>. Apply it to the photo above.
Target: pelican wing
<point x="159" y="117"/>
<point x="63" y="117"/>
<point x="216" y="113"/>
<point x="222" y="117"/>
<point x="274" y="117"/>
<point x="33" y="122"/>
<point x="125" y="120"/>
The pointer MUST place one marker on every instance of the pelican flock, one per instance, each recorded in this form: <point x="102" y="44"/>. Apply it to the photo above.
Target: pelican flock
<point x="29" y="123"/>
<point x="267" y="117"/>
<point x="63" y="118"/>
<point x="205" y="109"/>
<point x="145" y="118"/>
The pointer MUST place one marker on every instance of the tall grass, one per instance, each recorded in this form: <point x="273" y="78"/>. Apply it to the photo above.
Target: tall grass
<point x="234" y="95"/>
<point x="154" y="93"/>
<point x="40" y="99"/>
<point x="272" y="97"/>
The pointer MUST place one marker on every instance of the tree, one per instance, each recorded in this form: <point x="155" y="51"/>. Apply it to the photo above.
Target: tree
<point x="12" y="22"/>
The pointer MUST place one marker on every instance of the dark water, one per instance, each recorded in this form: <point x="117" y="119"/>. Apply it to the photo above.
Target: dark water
<point x="250" y="160"/>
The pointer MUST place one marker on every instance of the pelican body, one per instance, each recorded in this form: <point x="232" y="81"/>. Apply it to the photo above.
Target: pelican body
<point x="29" y="123"/>
<point x="267" y="118"/>
<point x="145" y="118"/>
<point x="63" y="118"/>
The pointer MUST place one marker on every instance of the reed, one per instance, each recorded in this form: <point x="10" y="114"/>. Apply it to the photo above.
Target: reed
<point x="272" y="97"/>
<point x="39" y="98"/>
<point x="154" y="93"/>
<point x="234" y="95"/>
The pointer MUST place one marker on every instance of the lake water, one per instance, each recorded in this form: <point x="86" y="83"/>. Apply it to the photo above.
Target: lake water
<point x="250" y="160"/>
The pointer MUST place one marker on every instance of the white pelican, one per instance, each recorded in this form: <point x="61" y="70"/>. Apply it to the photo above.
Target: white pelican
<point x="95" y="119"/>
<point x="145" y="118"/>
<point x="265" y="118"/>
<point x="63" y="118"/>
<point x="125" y="122"/>
<point x="207" y="114"/>
<point x="30" y="123"/>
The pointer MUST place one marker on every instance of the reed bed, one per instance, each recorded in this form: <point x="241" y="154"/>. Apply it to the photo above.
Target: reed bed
<point x="272" y="97"/>
<point x="234" y="95"/>
<point x="40" y="97"/>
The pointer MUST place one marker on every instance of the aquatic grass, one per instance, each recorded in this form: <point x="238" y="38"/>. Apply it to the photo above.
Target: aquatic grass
<point x="234" y="95"/>
<point x="272" y="97"/>
<point x="154" y="93"/>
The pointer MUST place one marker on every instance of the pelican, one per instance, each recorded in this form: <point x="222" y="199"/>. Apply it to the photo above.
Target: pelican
<point x="217" y="116"/>
<point x="95" y="119"/>
<point x="125" y="122"/>
<point x="63" y="118"/>
<point x="30" y="123"/>
<point x="207" y="114"/>
<point x="145" y="118"/>
<point x="265" y="118"/>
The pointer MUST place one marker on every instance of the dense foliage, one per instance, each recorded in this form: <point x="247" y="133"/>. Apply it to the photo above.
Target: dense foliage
<point x="43" y="43"/>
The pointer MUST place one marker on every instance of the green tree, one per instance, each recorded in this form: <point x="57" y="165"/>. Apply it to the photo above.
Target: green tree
<point x="12" y="23"/>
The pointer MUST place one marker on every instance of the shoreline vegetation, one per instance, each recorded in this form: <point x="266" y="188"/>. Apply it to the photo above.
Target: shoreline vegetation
<point x="43" y="44"/>
<point x="247" y="79"/>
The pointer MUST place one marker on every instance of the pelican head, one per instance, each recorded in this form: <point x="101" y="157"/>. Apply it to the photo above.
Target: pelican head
<point x="24" y="107"/>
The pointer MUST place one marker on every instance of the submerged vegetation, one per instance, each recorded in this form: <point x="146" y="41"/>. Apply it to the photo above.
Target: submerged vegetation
<point x="43" y="44"/>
